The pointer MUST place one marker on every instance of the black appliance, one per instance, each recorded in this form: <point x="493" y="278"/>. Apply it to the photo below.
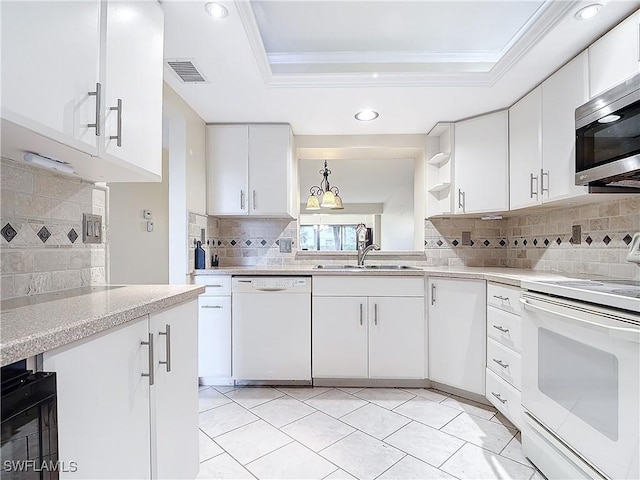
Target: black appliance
<point x="29" y="424"/>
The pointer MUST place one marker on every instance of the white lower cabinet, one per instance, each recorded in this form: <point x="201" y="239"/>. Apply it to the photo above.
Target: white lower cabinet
<point x="113" y="421"/>
<point x="504" y="344"/>
<point x="457" y="316"/>
<point x="358" y="332"/>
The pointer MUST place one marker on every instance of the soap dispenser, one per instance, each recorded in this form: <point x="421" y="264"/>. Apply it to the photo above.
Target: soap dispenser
<point x="199" y="256"/>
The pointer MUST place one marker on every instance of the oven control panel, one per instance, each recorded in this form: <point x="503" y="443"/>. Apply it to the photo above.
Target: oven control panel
<point x="634" y="249"/>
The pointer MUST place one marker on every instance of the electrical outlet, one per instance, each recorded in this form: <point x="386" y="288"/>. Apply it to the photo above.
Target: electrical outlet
<point x="285" y="245"/>
<point x="91" y="228"/>
<point x="576" y="235"/>
<point x="466" y="238"/>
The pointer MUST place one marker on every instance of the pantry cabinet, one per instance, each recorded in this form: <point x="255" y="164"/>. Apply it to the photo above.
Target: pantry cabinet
<point x="130" y="393"/>
<point x="482" y="159"/>
<point x="362" y="329"/>
<point x="457" y="344"/>
<point x="250" y="170"/>
<point x="82" y="83"/>
<point x="616" y="56"/>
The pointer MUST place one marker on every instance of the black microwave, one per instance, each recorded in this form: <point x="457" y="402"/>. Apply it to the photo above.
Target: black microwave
<point x="608" y="138"/>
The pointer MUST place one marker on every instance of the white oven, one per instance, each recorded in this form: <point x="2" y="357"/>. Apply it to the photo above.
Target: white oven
<point x="580" y="388"/>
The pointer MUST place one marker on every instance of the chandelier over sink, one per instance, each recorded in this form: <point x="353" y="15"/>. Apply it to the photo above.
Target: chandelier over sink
<point x="324" y="195"/>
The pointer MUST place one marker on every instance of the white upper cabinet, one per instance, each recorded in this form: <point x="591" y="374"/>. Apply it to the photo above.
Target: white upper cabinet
<point x="562" y="93"/>
<point x="133" y="80"/>
<point x="616" y="56"/>
<point x="482" y="160"/>
<point x="525" y="131"/>
<point x="65" y="65"/>
<point x="50" y="62"/>
<point x="250" y="170"/>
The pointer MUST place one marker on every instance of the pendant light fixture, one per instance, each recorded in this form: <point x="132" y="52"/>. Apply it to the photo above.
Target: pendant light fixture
<point x="324" y="195"/>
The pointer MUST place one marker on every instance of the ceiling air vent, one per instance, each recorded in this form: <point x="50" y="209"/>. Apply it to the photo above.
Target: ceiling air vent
<point x="186" y="70"/>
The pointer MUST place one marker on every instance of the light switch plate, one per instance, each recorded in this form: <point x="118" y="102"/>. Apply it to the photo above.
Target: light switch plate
<point x="91" y="228"/>
<point x="285" y="245"/>
<point x="576" y="235"/>
<point x="466" y="238"/>
<point x="634" y="250"/>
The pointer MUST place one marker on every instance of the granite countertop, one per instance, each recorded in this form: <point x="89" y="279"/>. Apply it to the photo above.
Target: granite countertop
<point x="39" y="323"/>
<point x="509" y="276"/>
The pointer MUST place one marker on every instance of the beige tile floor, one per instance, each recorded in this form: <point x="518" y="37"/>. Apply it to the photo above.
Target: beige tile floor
<point x="343" y="433"/>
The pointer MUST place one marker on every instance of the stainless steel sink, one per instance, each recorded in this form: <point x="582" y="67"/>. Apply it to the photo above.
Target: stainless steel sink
<point x="366" y="267"/>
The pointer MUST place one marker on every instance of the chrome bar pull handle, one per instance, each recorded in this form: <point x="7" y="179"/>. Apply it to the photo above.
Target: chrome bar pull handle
<point x="532" y="191"/>
<point x="502" y="329"/>
<point x="167" y="340"/>
<point x="211" y="306"/>
<point x="501" y="363"/>
<point x="361" y="314"/>
<point x="254" y="199"/>
<point x="150" y="345"/>
<point x="118" y="136"/>
<point x="375" y="314"/>
<point x="542" y="175"/>
<point x="500" y="399"/>
<point x="241" y="199"/>
<point x="433" y="294"/>
<point x="500" y="297"/>
<point x="461" y="199"/>
<point x="98" y="95"/>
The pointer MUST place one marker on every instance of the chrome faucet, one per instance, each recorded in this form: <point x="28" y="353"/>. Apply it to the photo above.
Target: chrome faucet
<point x="363" y="249"/>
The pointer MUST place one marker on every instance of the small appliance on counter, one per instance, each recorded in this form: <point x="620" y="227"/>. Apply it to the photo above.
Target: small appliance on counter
<point x="200" y="257"/>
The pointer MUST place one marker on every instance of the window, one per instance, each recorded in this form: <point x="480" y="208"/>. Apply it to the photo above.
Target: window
<point x="328" y="237"/>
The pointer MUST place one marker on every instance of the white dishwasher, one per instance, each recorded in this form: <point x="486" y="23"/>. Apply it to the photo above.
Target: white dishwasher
<point x="271" y="330"/>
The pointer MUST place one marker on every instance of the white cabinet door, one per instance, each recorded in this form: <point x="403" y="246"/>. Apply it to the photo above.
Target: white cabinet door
<point x="227" y="169"/>
<point x="339" y="336"/>
<point x="396" y="337"/>
<point x="616" y="56"/>
<point x="133" y="77"/>
<point x="482" y="160"/>
<point x="214" y="336"/>
<point x="457" y="325"/>
<point x="270" y="170"/>
<point x="525" y="125"/>
<point x="562" y="93"/>
<point x="50" y="61"/>
<point x="174" y="396"/>
<point x="103" y="403"/>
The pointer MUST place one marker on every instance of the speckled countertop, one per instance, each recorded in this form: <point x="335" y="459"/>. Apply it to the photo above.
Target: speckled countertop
<point x="509" y="276"/>
<point x="39" y="323"/>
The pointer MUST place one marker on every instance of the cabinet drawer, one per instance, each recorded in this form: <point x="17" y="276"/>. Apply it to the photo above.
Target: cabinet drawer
<point x="504" y="327"/>
<point x="214" y="284"/>
<point x="505" y="398"/>
<point x="505" y="362"/>
<point x="504" y="297"/>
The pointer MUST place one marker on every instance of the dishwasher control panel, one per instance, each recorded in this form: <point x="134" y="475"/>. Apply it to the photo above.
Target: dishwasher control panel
<point x="248" y="284"/>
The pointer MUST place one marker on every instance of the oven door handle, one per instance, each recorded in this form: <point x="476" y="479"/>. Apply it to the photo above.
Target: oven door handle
<point x="629" y="334"/>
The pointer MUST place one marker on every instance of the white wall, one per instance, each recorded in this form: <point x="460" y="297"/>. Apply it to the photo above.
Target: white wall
<point x="135" y="255"/>
<point x="397" y="221"/>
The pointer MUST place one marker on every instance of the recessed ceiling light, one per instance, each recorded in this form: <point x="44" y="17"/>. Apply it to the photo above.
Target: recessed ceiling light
<point x="366" y="115"/>
<point x="609" y="119"/>
<point x="216" y="10"/>
<point x="588" y="12"/>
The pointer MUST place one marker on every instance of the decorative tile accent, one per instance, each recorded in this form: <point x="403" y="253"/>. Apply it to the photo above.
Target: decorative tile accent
<point x="486" y="243"/>
<point x="606" y="239"/>
<point x="72" y="235"/>
<point x="546" y="242"/>
<point x="472" y="243"/>
<point x="515" y="243"/>
<point x="589" y="240"/>
<point x="524" y="242"/>
<point x="455" y="243"/>
<point x="248" y="243"/>
<point x="8" y="232"/>
<point x="558" y="240"/>
<point x="627" y="239"/>
<point x="502" y="243"/>
<point x="233" y="242"/>
<point x="439" y="243"/>
<point x="263" y="242"/>
<point x="44" y="234"/>
<point x="535" y="242"/>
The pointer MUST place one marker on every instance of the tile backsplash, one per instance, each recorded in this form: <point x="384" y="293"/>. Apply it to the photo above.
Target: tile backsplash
<point x="41" y="247"/>
<point x="540" y="240"/>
